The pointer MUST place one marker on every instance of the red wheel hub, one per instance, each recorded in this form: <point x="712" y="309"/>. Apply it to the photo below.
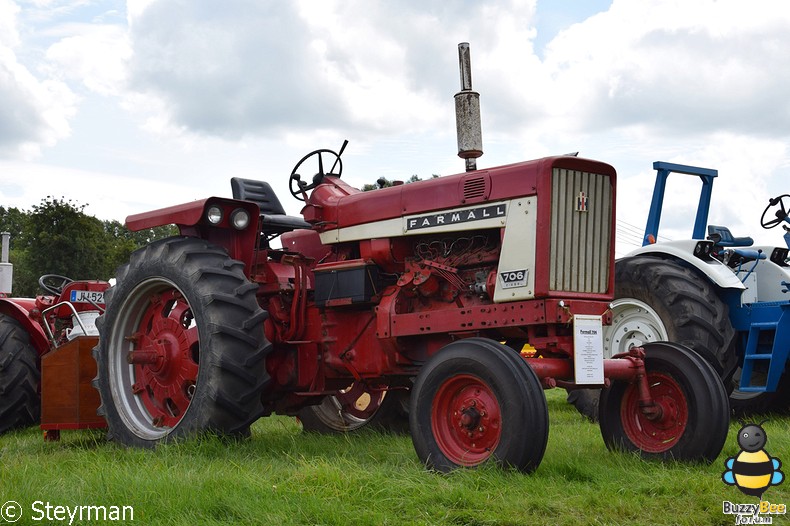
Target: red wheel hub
<point x="466" y="420"/>
<point x="655" y="434"/>
<point x="165" y="358"/>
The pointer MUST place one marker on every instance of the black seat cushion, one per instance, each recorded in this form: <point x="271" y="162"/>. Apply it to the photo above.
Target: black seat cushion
<point x="273" y="218"/>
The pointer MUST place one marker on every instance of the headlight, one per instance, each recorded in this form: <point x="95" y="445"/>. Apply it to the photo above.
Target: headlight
<point x="703" y="249"/>
<point x="214" y="215"/>
<point x="240" y="219"/>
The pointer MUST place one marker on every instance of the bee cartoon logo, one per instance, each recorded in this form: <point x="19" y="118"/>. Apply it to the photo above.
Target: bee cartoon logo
<point x="753" y="470"/>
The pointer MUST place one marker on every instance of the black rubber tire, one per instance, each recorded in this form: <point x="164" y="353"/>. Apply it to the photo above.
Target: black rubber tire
<point x="586" y="402"/>
<point x="328" y="417"/>
<point x="509" y="386"/>
<point x="748" y="404"/>
<point x="20" y="402"/>
<point x="688" y="307"/>
<point x="229" y="353"/>
<point x="702" y="397"/>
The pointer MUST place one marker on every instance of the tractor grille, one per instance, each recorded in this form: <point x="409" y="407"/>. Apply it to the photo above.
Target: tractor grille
<point x="581" y="223"/>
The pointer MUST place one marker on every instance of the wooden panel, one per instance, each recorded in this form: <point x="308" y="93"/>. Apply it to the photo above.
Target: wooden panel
<point x="68" y="400"/>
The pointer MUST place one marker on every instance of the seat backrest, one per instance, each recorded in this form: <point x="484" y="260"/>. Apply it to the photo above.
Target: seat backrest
<point x="726" y="239"/>
<point x="259" y="192"/>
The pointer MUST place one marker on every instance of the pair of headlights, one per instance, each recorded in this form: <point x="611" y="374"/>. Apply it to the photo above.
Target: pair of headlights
<point x="703" y="249"/>
<point x="239" y="218"/>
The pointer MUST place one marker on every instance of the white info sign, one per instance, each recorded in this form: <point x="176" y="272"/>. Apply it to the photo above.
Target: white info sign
<point x="588" y="349"/>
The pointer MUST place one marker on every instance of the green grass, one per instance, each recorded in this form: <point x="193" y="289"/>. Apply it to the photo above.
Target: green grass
<point x="282" y="476"/>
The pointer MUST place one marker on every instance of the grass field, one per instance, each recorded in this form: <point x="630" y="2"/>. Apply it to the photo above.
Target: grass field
<point x="282" y="476"/>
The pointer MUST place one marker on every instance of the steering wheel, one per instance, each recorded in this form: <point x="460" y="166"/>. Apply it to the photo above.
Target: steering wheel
<point x="298" y="187"/>
<point x="780" y="214"/>
<point x="53" y="283"/>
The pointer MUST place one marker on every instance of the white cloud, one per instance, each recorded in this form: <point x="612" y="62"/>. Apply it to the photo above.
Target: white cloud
<point x="9" y="36"/>
<point x="262" y="82"/>
<point x="33" y="112"/>
<point x="265" y="67"/>
<point x="96" y="56"/>
<point x="105" y="200"/>
<point x="677" y="67"/>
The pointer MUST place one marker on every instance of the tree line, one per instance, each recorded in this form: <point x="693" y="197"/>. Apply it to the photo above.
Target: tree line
<point x="383" y="182"/>
<point x="58" y="237"/>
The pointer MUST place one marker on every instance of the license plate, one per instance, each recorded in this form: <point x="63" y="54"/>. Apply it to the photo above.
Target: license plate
<point x="87" y="296"/>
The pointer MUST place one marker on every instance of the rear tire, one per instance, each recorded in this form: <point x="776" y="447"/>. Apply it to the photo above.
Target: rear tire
<point x="746" y="403"/>
<point x="477" y="401"/>
<point x="356" y="409"/>
<point x="695" y="410"/>
<point x="187" y="316"/>
<point x="20" y="402"/>
<point x="687" y="306"/>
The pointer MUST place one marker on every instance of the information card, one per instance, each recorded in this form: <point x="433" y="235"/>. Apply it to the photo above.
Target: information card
<point x="588" y="349"/>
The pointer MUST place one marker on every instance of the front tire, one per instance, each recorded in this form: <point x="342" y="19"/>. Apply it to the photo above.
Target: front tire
<point x="20" y="403"/>
<point x="659" y="300"/>
<point x="477" y="401"/>
<point x="182" y="348"/>
<point x="695" y="413"/>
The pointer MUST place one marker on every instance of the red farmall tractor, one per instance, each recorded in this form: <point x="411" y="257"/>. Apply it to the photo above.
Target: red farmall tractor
<point x="46" y="366"/>
<point x="433" y="287"/>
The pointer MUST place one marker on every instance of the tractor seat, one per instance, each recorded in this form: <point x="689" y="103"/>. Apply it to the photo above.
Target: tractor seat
<point x="273" y="218"/>
<point x="722" y="237"/>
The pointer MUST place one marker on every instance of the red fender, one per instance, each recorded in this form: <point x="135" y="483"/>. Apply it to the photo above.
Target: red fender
<point x="20" y="309"/>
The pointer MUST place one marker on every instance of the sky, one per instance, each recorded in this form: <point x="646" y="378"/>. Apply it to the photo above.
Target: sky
<point x="136" y="105"/>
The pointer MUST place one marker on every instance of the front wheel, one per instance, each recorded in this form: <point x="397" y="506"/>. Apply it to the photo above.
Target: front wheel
<point x="694" y="413"/>
<point x="475" y="401"/>
<point x="182" y="347"/>
<point x="660" y="300"/>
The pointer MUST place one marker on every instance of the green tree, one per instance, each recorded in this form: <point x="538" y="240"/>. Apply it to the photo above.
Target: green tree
<point x="15" y="222"/>
<point x="383" y="182"/>
<point x="61" y="239"/>
<point x="57" y="237"/>
<point x="121" y="242"/>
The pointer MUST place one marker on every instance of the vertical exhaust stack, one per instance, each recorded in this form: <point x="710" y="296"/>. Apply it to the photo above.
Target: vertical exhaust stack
<point x="467" y="113"/>
<point x="6" y="268"/>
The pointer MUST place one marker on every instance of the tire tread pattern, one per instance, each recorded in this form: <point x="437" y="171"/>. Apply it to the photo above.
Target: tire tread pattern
<point x="691" y="311"/>
<point x="20" y="402"/>
<point x="233" y="346"/>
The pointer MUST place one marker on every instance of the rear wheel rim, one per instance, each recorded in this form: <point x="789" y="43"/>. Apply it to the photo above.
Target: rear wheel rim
<point x="359" y="402"/>
<point x="634" y="322"/>
<point x="466" y="420"/>
<point x="350" y="409"/>
<point x="160" y="337"/>
<point x="660" y="434"/>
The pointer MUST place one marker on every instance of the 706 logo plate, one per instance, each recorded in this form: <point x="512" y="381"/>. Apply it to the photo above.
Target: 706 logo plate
<point x="514" y="278"/>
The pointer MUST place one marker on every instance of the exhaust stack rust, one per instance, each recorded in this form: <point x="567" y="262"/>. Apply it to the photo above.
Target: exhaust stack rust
<point x="467" y="113"/>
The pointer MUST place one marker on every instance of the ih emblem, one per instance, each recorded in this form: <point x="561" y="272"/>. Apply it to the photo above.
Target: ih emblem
<point x="581" y="202"/>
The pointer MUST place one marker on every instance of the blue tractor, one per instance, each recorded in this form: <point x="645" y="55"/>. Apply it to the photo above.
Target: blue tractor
<point x="720" y="295"/>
